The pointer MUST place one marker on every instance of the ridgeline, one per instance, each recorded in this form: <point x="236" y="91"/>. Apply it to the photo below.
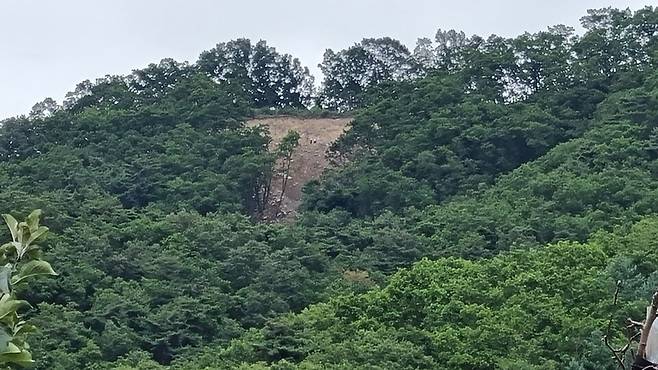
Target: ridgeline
<point x="469" y="204"/>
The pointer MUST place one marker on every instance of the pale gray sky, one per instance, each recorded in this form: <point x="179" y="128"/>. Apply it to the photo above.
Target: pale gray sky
<point x="48" y="46"/>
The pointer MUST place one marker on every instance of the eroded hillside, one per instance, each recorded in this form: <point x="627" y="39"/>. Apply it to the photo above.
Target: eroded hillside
<point x="309" y="159"/>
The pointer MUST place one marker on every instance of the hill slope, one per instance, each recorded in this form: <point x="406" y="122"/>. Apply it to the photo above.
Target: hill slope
<point x="497" y="162"/>
<point x="309" y="159"/>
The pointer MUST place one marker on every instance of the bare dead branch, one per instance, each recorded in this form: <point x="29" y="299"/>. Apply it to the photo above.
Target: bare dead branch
<point x="651" y="317"/>
<point x="618" y="354"/>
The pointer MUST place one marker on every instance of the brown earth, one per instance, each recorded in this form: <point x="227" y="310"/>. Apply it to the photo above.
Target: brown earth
<point x="309" y="159"/>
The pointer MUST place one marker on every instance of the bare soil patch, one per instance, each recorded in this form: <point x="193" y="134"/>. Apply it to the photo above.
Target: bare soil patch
<point x="309" y="160"/>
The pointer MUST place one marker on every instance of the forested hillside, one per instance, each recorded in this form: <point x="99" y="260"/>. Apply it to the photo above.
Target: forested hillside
<point x="481" y="205"/>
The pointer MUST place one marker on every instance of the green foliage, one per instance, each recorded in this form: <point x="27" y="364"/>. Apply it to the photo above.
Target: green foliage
<point x="520" y="172"/>
<point x="20" y="262"/>
<point x="542" y="308"/>
<point x="433" y="134"/>
<point x="349" y="73"/>
<point x="269" y="79"/>
<point x="499" y="69"/>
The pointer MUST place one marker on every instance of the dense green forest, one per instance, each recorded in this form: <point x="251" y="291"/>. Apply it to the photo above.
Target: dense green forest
<point x="484" y="202"/>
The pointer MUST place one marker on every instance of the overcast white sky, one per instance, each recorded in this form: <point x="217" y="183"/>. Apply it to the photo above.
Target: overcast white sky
<point x="48" y="46"/>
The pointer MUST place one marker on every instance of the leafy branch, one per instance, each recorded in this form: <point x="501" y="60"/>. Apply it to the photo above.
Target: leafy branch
<point x="19" y="262"/>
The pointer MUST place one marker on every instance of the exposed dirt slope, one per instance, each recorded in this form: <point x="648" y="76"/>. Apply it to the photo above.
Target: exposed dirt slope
<point x="309" y="160"/>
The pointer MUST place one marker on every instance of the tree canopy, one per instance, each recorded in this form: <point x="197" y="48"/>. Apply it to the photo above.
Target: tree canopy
<point x="480" y="209"/>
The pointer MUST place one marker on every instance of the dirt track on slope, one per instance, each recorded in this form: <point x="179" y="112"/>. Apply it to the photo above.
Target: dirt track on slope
<point x="309" y="160"/>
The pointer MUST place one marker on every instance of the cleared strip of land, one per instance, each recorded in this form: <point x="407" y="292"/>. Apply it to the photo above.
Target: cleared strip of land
<point x="309" y="160"/>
